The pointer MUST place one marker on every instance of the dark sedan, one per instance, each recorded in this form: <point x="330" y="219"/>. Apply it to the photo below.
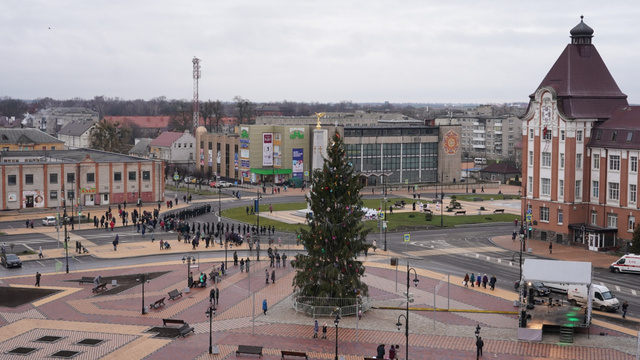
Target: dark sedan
<point x="10" y="260"/>
<point x="537" y="287"/>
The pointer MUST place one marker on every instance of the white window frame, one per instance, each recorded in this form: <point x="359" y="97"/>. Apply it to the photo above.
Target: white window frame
<point x="544" y="214"/>
<point x="579" y="135"/>
<point x="545" y="187"/>
<point x="596" y="161"/>
<point x="612" y="220"/>
<point x="560" y="187"/>
<point x="561" y="161"/>
<point x="595" y="189"/>
<point x="633" y="164"/>
<point x="562" y="135"/>
<point x="578" y="161"/>
<point x="631" y="223"/>
<point x="560" y="216"/>
<point x="613" y="191"/>
<point x="578" y="193"/>
<point x="614" y="162"/>
<point x="633" y="193"/>
<point x="530" y="185"/>
<point x="545" y="160"/>
<point x="530" y="158"/>
<point x="594" y="218"/>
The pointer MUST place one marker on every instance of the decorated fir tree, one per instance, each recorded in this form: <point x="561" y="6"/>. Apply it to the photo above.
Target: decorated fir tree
<point x="336" y="235"/>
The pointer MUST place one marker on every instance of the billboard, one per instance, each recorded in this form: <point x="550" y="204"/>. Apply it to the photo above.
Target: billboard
<point x="298" y="165"/>
<point x="267" y="149"/>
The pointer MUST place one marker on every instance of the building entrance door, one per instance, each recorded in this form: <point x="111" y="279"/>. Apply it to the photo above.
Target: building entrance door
<point x="28" y="201"/>
<point x="593" y="242"/>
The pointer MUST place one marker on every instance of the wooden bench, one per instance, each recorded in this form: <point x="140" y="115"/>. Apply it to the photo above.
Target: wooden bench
<point x="174" y="294"/>
<point x="293" y="353"/>
<point x="461" y="212"/>
<point x="102" y="286"/>
<point x="172" y="321"/>
<point x="85" y="280"/>
<point x="157" y="304"/>
<point x="185" y="329"/>
<point x="498" y="211"/>
<point x="249" y="349"/>
<point x="428" y="211"/>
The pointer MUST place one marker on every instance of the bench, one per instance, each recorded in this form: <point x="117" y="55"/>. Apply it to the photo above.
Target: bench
<point x="157" y="304"/>
<point x="428" y="211"/>
<point x="174" y="294"/>
<point x="102" y="286"/>
<point x="498" y="211"/>
<point x="85" y="280"/>
<point x="185" y="329"/>
<point x="293" y="353"/>
<point x="461" y="212"/>
<point x="400" y="204"/>
<point x="248" y="349"/>
<point x="172" y="321"/>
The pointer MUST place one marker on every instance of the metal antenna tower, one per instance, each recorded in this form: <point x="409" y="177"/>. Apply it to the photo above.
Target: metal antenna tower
<point x="196" y="101"/>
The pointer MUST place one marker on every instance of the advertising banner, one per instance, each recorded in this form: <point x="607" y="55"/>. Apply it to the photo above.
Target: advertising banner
<point x="298" y="166"/>
<point x="267" y="149"/>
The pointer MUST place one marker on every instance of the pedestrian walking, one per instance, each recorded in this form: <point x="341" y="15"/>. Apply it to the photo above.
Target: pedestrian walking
<point x="466" y="280"/>
<point x="270" y="208"/>
<point x="472" y="278"/>
<point x="625" y="306"/>
<point x="380" y="352"/>
<point x="266" y="274"/>
<point x="550" y="247"/>
<point x="38" y="275"/>
<point x="235" y="258"/>
<point x="40" y="252"/>
<point x="492" y="282"/>
<point x="212" y="296"/>
<point x="392" y="352"/>
<point x="324" y="330"/>
<point x="273" y="276"/>
<point x="264" y="306"/>
<point x="479" y="345"/>
<point x="115" y="242"/>
<point x="241" y="265"/>
<point x="217" y="295"/>
<point x="485" y="280"/>
<point x="375" y="245"/>
<point x="315" y="329"/>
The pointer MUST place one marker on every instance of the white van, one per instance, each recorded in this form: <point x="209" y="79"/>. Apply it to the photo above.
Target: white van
<point x="627" y="263"/>
<point x="480" y="161"/>
<point x="603" y="299"/>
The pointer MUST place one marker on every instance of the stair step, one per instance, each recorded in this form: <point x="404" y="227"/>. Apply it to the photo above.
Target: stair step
<point x="566" y="335"/>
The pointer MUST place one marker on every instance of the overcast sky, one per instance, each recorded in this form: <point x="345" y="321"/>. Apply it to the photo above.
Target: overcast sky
<point x="324" y="51"/>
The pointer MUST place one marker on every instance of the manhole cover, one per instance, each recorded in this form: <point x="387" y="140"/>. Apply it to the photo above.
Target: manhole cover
<point x="49" y="339"/>
<point x="65" y="354"/>
<point x="90" y="342"/>
<point x="21" y="351"/>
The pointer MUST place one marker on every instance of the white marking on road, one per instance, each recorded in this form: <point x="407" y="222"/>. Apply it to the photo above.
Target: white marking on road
<point x="617" y="288"/>
<point x="499" y="260"/>
<point x="477" y="256"/>
<point x="634" y="292"/>
<point x="78" y="260"/>
<point x="41" y="264"/>
<point x="29" y="247"/>
<point x="601" y="283"/>
<point x="488" y="258"/>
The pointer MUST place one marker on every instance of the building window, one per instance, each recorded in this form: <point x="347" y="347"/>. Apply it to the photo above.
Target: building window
<point x="546" y="159"/>
<point x="117" y="176"/>
<point x="531" y="134"/>
<point x="614" y="191"/>
<point x="132" y="175"/>
<point x="53" y="178"/>
<point x="530" y="158"/>
<point x="594" y="218"/>
<point x="578" y="189"/>
<point x="561" y="135"/>
<point x="545" y="186"/>
<point x="579" y="136"/>
<point x="595" y="188"/>
<point x="560" y="216"/>
<point x="561" y="161"/>
<point x="633" y="163"/>
<point x="633" y="193"/>
<point x="91" y="177"/>
<point x="71" y="178"/>
<point x="544" y="214"/>
<point x="28" y="179"/>
<point x="530" y="184"/>
<point x="578" y="161"/>
<point x="53" y="194"/>
<point x="614" y="162"/>
<point x="146" y="175"/>
<point x="596" y="161"/>
<point x="11" y="180"/>
<point x="612" y="220"/>
<point x="546" y="134"/>
<point x="631" y="224"/>
<point x="560" y="187"/>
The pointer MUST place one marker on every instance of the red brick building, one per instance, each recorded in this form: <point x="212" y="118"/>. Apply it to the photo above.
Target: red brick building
<point x="580" y="149"/>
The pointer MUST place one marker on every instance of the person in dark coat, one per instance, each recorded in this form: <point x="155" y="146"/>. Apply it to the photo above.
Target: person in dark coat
<point x="479" y="345"/>
<point x="380" y="351"/>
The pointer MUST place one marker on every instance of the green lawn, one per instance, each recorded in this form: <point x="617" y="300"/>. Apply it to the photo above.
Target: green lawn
<point x="486" y="197"/>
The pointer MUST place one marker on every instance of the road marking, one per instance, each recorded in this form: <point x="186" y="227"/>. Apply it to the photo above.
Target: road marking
<point x="634" y="293"/>
<point x="41" y="264"/>
<point x="617" y="288"/>
<point x="29" y="247"/>
<point x="450" y="251"/>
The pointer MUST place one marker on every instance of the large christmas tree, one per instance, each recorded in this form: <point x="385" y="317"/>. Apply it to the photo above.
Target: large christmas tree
<point x="336" y="234"/>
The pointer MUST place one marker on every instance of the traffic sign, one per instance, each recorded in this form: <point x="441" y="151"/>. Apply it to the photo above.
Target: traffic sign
<point x="306" y="173"/>
<point x="407" y="237"/>
<point x="176" y="177"/>
<point x="529" y="211"/>
<point x="381" y="215"/>
<point x="529" y="217"/>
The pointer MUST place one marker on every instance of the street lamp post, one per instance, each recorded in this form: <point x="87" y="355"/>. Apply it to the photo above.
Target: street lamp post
<point x="441" y="199"/>
<point x="139" y="197"/>
<point x="336" y="322"/>
<point x="406" y="317"/>
<point x="188" y="259"/>
<point x="384" y="189"/>
<point x="66" y="232"/>
<point x="211" y="311"/>
<point x="143" y="278"/>
<point x="477" y="337"/>
<point x="257" y="234"/>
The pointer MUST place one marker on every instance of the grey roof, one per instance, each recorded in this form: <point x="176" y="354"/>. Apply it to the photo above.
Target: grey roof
<point x="141" y="148"/>
<point x="26" y="136"/>
<point x="77" y="127"/>
<point x="70" y="156"/>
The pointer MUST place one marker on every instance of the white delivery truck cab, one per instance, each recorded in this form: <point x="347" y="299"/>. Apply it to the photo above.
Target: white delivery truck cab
<point x="603" y="299"/>
<point x="627" y="263"/>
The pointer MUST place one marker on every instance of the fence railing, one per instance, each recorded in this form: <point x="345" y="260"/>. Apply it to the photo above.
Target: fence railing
<point x="326" y="307"/>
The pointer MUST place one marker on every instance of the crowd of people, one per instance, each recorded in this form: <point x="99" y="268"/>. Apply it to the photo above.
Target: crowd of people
<point x="480" y="280"/>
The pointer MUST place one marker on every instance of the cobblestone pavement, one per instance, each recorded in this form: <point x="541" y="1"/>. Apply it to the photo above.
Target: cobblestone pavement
<point x="115" y="321"/>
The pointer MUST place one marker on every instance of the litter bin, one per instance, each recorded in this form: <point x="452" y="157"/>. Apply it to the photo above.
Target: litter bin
<point x="394" y="261"/>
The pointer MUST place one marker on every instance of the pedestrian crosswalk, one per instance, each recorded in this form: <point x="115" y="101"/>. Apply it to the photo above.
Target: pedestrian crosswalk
<point x="455" y="250"/>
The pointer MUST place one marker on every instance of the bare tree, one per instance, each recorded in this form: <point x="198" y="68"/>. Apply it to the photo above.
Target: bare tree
<point x="244" y="110"/>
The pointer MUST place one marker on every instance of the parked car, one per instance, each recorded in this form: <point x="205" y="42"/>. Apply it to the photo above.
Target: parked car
<point x="10" y="260"/>
<point x="223" y="184"/>
<point x="74" y="219"/>
<point x="190" y="180"/>
<point x="49" y="221"/>
<point x="537" y="287"/>
<point x="212" y="184"/>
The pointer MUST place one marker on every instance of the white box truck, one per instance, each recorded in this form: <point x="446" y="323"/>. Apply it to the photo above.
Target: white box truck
<point x="627" y="263"/>
<point x="603" y="299"/>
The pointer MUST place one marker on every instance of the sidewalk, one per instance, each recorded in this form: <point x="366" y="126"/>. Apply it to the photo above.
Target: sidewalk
<point x="559" y="251"/>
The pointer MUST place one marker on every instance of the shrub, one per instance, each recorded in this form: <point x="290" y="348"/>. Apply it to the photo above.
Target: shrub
<point x="428" y="217"/>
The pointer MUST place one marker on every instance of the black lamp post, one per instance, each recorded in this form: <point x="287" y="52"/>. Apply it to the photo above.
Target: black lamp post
<point x="66" y="232"/>
<point x="406" y="317"/>
<point x="211" y="311"/>
<point x="384" y="189"/>
<point x="188" y="259"/>
<point x="441" y="198"/>
<point x="143" y="278"/>
<point x="336" y="322"/>
<point x="72" y="200"/>
<point x="257" y="211"/>
<point x="477" y="337"/>
<point x="139" y="196"/>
